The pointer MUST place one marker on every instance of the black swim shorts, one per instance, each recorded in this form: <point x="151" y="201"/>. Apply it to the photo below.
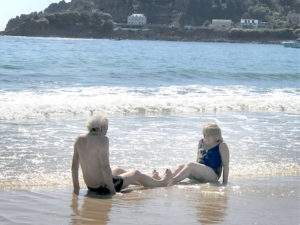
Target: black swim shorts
<point x="103" y="189"/>
<point x="118" y="183"/>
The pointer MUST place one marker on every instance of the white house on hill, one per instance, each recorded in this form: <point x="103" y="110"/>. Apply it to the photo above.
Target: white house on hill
<point x="137" y="19"/>
<point x="249" y="23"/>
<point x="294" y="18"/>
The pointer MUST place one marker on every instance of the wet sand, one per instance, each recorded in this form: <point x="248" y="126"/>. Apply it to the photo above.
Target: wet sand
<point x="265" y="200"/>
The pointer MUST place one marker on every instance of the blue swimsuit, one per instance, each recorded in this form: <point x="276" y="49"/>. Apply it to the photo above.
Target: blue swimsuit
<point x="211" y="158"/>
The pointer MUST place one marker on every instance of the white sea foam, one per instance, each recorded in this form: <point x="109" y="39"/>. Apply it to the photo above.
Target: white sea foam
<point x="39" y="153"/>
<point x="81" y="102"/>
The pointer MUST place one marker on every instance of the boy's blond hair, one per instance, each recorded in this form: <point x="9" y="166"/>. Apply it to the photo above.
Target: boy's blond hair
<point x="97" y="123"/>
<point x="212" y="129"/>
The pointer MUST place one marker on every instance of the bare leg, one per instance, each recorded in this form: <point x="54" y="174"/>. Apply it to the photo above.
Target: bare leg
<point x="116" y="171"/>
<point x="135" y="176"/>
<point x="178" y="169"/>
<point x="197" y="171"/>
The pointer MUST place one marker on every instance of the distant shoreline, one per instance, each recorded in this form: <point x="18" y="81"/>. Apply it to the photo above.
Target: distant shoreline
<point x="193" y="21"/>
<point x="242" y="41"/>
<point x="162" y="32"/>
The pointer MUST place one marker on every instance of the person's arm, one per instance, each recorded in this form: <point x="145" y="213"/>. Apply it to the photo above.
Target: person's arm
<point x="200" y="147"/>
<point x="105" y="167"/>
<point x="224" y="151"/>
<point x="75" y="167"/>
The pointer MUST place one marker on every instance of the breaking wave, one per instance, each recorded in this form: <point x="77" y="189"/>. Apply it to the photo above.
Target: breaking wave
<point x="81" y="102"/>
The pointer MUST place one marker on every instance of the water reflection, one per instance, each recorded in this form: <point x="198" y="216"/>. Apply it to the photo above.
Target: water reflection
<point x="193" y="203"/>
<point x="90" y="209"/>
<point x="212" y="205"/>
<point x="210" y="202"/>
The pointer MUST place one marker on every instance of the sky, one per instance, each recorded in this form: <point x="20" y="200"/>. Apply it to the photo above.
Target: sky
<point x="12" y="8"/>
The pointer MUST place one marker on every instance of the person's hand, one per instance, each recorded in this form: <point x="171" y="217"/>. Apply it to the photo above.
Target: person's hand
<point x="222" y="184"/>
<point x="218" y="184"/>
<point x="76" y="191"/>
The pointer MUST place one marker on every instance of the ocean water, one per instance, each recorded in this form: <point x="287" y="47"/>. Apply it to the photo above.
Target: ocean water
<point x="157" y="96"/>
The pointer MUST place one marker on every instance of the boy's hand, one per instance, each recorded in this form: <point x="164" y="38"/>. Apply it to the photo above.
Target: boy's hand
<point x="76" y="191"/>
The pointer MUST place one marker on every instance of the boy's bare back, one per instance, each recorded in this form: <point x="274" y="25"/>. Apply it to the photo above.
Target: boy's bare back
<point x="93" y="152"/>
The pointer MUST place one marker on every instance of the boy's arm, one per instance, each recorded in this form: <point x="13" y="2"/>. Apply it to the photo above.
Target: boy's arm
<point x="75" y="166"/>
<point x="224" y="151"/>
<point x="105" y="167"/>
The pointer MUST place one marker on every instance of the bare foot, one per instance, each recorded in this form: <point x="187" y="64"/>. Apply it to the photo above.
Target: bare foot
<point x="167" y="177"/>
<point x="155" y="175"/>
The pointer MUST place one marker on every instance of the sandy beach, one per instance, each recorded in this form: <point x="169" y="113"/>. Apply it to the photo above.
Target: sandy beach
<point x="265" y="200"/>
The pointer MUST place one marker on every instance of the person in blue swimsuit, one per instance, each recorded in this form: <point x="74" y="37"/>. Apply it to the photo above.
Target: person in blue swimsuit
<point x="212" y="158"/>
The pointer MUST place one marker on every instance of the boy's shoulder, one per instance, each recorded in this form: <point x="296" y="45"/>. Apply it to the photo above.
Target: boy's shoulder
<point x="81" y="136"/>
<point x="84" y="137"/>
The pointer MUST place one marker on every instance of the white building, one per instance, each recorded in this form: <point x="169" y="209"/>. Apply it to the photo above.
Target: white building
<point x="221" y="24"/>
<point x="249" y="23"/>
<point x="136" y="19"/>
<point x="294" y="18"/>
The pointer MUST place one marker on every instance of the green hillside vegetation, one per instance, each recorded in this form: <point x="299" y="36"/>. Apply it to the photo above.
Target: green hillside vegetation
<point x="97" y="18"/>
<point x="62" y="24"/>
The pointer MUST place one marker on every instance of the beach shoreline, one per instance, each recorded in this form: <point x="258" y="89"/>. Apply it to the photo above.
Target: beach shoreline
<point x="240" y="41"/>
<point x="265" y="200"/>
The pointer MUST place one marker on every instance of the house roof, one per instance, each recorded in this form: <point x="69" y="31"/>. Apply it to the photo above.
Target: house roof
<point x="137" y="15"/>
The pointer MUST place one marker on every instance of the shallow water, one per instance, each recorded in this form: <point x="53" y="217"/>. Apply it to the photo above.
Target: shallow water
<point x="243" y="201"/>
<point x="40" y="153"/>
